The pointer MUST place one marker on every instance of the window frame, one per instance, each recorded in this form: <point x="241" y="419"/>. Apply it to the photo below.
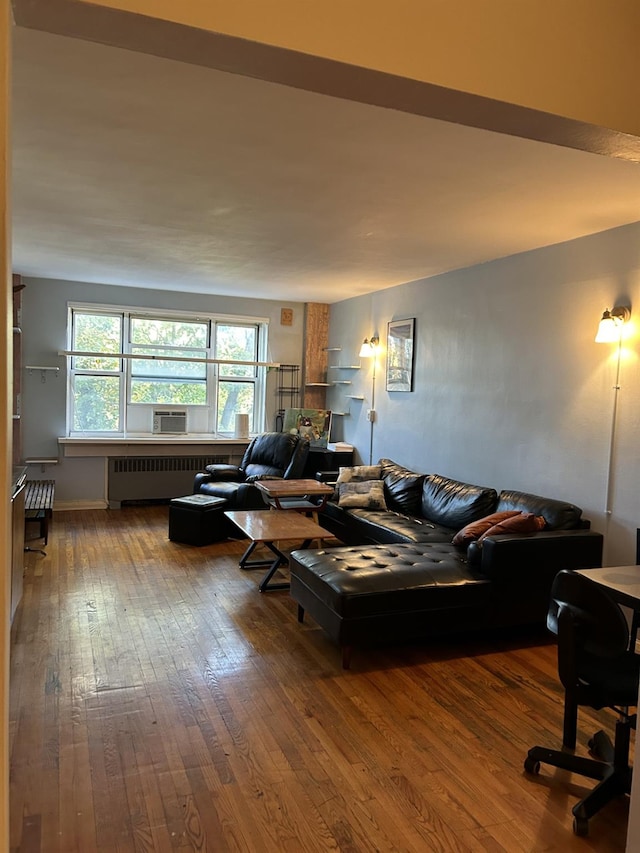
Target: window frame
<point x="131" y="346"/>
<point x="132" y="414"/>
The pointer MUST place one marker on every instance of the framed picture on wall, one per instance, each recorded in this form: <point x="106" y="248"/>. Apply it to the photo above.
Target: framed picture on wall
<point x="400" y="355"/>
<point x="314" y="425"/>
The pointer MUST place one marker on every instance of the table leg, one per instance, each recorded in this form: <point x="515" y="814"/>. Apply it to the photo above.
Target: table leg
<point x="254" y="564"/>
<point x="280" y="560"/>
<point x="274" y="565"/>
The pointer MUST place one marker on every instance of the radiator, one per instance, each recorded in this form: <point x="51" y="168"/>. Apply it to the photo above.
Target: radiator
<point x="146" y="478"/>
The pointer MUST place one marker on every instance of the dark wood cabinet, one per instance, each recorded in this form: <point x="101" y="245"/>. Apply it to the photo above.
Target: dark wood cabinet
<point x="320" y="459"/>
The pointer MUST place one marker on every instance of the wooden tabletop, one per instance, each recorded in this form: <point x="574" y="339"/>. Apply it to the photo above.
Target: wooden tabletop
<point x="293" y="488"/>
<point x="268" y="526"/>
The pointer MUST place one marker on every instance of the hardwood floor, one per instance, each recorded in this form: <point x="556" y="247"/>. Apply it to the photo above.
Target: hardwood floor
<point x="159" y="702"/>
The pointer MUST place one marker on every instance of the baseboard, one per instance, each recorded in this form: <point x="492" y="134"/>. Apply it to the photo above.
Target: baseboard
<point x="60" y="506"/>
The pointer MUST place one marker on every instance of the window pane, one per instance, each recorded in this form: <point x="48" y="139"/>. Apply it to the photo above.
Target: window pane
<point x="166" y="391"/>
<point x="96" y="403"/>
<point x="234" y="398"/>
<point x="169" y="333"/>
<point x="96" y="333"/>
<point x="238" y="343"/>
<point x="168" y="369"/>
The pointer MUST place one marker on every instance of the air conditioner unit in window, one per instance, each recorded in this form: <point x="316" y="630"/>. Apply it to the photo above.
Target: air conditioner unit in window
<point x="169" y="421"/>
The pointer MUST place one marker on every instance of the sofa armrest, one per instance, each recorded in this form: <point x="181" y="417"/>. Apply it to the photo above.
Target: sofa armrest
<point x="327" y="476"/>
<point x="223" y="473"/>
<point x="508" y="556"/>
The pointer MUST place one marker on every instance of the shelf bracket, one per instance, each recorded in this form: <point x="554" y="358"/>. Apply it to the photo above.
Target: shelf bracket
<point x="43" y="370"/>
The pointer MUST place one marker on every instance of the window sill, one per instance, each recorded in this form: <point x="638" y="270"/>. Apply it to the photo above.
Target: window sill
<point x="161" y="444"/>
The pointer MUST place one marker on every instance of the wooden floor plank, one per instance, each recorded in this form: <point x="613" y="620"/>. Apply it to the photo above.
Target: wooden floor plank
<point x="159" y="703"/>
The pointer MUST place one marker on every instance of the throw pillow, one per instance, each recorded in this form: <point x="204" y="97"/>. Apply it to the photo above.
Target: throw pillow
<point x="359" y="473"/>
<point x="474" y="530"/>
<point x="525" y="522"/>
<point x="368" y="494"/>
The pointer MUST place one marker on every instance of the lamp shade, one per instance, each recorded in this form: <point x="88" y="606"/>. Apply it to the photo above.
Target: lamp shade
<point x="610" y="328"/>
<point x="368" y="348"/>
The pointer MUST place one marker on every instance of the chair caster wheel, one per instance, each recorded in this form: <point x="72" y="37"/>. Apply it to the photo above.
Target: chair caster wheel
<point x="580" y="826"/>
<point x="532" y="766"/>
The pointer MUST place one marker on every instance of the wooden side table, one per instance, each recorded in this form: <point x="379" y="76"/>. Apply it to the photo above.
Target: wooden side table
<point x="270" y="528"/>
<point x="305" y="496"/>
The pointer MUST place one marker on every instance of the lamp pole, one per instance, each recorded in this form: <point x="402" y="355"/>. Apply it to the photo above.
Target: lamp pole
<point x="369" y="350"/>
<point x="372" y="413"/>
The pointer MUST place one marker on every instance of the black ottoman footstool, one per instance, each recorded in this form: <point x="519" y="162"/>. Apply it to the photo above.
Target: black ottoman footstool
<point x="364" y="594"/>
<point x="197" y="520"/>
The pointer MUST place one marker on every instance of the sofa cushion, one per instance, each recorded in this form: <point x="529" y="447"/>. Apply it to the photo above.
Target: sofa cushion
<point x="368" y="494"/>
<point x="559" y="515"/>
<point x="262" y="472"/>
<point x="276" y="454"/>
<point x="455" y="504"/>
<point x="403" y="487"/>
<point x="360" y="582"/>
<point x="366" y="526"/>
<point x="359" y="473"/>
<point x="523" y="522"/>
<point x="474" y="530"/>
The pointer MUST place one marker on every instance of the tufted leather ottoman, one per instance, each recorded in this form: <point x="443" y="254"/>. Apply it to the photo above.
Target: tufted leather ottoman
<point x="386" y="593"/>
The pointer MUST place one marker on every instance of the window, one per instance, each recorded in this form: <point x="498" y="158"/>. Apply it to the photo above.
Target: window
<point x="236" y="385"/>
<point x="135" y="362"/>
<point x="162" y="380"/>
<point x="96" y="380"/>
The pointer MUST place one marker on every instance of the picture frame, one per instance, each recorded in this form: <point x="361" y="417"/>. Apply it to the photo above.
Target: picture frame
<point x="314" y="425"/>
<point x="400" y="354"/>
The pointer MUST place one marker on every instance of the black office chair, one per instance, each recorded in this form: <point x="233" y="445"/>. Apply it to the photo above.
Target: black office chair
<point x="597" y="668"/>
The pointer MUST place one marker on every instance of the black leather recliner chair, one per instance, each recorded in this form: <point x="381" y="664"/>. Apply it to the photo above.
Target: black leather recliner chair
<point x="268" y="456"/>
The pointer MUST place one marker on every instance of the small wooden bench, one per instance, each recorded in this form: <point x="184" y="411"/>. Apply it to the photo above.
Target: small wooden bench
<point x="38" y="504"/>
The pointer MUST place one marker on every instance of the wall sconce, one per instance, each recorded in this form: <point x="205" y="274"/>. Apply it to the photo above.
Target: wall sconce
<point x="610" y="328"/>
<point x="369" y="345"/>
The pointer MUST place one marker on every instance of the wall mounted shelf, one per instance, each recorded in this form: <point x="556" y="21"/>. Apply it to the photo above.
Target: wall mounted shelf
<point x="341" y="382"/>
<point x="42" y="462"/>
<point x="354" y="396"/>
<point x="287" y="391"/>
<point x="317" y="384"/>
<point x="44" y="369"/>
<point x="345" y="366"/>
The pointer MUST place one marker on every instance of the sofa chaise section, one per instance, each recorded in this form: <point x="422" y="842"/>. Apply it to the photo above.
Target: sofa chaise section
<point x="402" y="578"/>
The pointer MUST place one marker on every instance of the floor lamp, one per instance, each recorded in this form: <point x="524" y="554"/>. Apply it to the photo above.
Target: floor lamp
<point x="369" y="349"/>
<point x="610" y="332"/>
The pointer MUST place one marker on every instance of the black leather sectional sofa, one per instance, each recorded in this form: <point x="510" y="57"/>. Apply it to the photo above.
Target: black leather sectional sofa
<point x="400" y="577"/>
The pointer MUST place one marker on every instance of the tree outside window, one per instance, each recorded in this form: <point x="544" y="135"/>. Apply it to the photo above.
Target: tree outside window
<point x="160" y="360"/>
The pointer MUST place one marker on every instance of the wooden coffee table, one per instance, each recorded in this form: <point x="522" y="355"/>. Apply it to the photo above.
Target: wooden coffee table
<point x="267" y="528"/>
<point x="305" y="496"/>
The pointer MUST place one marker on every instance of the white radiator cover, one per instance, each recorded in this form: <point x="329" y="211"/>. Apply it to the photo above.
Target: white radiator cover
<point x="143" y="478"/>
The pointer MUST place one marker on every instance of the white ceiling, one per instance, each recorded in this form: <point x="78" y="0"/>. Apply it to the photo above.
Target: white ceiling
<point x="135" y="170"/>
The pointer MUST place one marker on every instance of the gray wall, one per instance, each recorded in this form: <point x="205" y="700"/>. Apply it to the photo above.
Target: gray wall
<point x="511" y="390"/>
<point x="44" y="325"/>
